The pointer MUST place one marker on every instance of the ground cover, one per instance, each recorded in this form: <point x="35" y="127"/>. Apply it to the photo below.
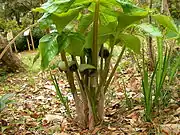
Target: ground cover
<point x="37" y="110"/>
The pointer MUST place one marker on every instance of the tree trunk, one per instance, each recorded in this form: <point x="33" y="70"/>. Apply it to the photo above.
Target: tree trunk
<point x="9" y="59"/>
<point x="165" y="7"/>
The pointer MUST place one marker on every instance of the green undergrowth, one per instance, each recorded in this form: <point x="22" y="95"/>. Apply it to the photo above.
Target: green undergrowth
<point x="27" y="58"/>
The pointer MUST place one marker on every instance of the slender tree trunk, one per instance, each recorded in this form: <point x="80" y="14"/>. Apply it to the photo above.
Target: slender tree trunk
<point x="165" y="7"/>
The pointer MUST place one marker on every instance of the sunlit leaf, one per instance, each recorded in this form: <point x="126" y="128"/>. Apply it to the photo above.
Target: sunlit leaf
<point x="62" y="20"/>
<point x="55" y="6"/>
<point x="48" y="48"/>
<point x="129" y="8"/>
<point x="76" y="44"/>
<point x="166" y="21"/>
<point x="85" y="21"/>
<point x="131" y="42"/>
<point x="126" y="20"/>
<point x="150" y="29"/>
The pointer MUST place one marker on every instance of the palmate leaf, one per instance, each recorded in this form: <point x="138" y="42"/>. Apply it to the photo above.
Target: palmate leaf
<point x="76" y="44"/>
<point x="104" y="32"/>
<point x="52" y="44"/>
<point x="113" y="10"/>
<point x="129" y="8"/>
<point x="84" y="22"/>
<point x="105" y="19"/>
<point x="131" y="42"/>
<point x="110" y="7"/>
<point x="131" y="14"/>
<point x="63" y="19"/>
<point x="54" y="6"/>
<point x="45" y="21"/>
<point x="125" y="20"/>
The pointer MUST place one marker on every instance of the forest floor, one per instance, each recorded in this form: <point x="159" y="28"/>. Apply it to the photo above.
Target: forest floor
<point x="37" y="111"/>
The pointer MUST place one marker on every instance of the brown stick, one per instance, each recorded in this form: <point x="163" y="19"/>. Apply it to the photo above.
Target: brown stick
<point x="32" y="41"/>
<point x="15" y="47"/>
<point x="28" y="43"/>
<point x="12" y="41"/>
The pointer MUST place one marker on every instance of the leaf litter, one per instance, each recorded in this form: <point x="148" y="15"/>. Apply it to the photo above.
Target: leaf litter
<point x="38" y="111"/>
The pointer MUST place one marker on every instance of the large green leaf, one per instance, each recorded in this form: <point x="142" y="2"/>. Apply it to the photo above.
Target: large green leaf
<point x="48" y="48"/>
<point x="105" y="19"/>
<point x="125" y="20"/>
<point x="55" y="6"/>
<point x="85" y="21"/>
<point x="104" y="32"/>
<point x="109" y="29"/>
<point x="130" y="8"/>
<point x="166" y="21"/>
<point x="63" y="19"/>
<point x="45" y="21"/>
<point x="62" y="41"/>
<point x="110" y="7"/>
<point x="150" y="29"/>
<point x="76" y="44"/>
<point x="131" y="42"/>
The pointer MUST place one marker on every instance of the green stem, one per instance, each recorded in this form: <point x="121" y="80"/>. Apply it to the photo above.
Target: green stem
<point x="58" y="91"/>
<point x="95" y="35"/>
<point x="106" y="67"/>
<point x="69" y="75"/>
<point x="101" y="64"/>
<point x="114" y="69"/>
<point x="93" y="81"/>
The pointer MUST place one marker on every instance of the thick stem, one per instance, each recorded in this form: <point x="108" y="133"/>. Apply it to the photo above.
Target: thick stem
<point x="95" y="36"/>
<point x="165" y="7"/>
<point x="100" y="106"/>
<point x="93" y="80"/>
<point x="78" y="101"/>
<point x="83" y="92"/>
<point x="106" y="68"/>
